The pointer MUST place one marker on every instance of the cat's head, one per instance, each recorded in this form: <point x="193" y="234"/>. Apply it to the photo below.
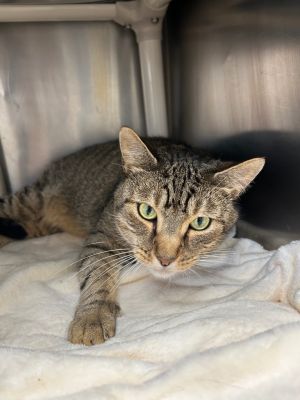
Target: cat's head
<point x="174" y="206"/>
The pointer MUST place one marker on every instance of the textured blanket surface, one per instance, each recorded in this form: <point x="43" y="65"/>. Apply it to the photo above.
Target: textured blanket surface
<point x="230" y="331"/>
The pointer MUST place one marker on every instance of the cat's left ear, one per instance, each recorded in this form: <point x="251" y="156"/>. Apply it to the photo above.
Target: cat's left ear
<point x="234" y="180"/>
<point x="136" y="155"/>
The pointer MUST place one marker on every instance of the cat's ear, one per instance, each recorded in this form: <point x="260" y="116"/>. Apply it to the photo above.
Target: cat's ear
<point x="136" y="155"/>
<point x="234" y="180"/>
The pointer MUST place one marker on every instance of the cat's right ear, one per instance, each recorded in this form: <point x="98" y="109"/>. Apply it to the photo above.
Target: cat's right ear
<point x="136" y="155"/>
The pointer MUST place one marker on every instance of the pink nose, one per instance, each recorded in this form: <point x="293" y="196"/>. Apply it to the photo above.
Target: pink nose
<point x="165" y="261"/>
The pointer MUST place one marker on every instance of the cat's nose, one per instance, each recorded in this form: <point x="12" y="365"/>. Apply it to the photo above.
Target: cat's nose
<point x="165" y="261"/>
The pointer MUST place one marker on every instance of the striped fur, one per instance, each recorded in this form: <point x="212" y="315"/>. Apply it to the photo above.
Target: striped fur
<point x="95" y="194"/>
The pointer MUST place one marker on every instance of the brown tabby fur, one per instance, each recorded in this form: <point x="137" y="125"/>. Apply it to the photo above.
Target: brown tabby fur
<point x="95" y="194"/>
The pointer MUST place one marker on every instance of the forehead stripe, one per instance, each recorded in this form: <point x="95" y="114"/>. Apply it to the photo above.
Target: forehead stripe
<point x="167" y="203"/>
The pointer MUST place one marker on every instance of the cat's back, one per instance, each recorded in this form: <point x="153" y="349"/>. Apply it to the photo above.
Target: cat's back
<point x="97" y="161"/>
<point x="87" y="178"/>
<point x="101" y="164"/>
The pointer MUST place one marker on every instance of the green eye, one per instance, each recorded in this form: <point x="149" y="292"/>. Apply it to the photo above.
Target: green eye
<point x="200" y="223"/>
<point x="147" y="212"/>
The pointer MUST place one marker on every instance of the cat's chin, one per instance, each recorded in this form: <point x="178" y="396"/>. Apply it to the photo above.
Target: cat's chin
<point x="163" y="273"/>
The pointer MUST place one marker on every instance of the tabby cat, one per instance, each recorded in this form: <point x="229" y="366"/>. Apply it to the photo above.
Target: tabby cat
<point x="158" y="203"/>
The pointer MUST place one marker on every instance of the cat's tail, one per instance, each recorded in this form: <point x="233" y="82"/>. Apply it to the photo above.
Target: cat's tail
<point x="33" y="212"/>
<point x="20" y="215"/>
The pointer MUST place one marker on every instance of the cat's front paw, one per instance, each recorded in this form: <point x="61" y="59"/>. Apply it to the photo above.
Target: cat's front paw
<point x="94" y="326"/>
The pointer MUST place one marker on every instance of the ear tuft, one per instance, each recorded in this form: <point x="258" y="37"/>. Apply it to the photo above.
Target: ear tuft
<point x="235" y="179"/>
<point x="136" y="155"/>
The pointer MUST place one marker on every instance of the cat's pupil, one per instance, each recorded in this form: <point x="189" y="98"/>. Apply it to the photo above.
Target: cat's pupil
<point x="199" y="220"/>
<point x="149" y="210"/>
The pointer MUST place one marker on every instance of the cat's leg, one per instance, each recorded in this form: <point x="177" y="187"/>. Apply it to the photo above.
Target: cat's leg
<point x="95" y="316"/>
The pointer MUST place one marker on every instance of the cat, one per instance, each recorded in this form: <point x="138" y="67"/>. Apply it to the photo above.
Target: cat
<point x="161" y="204"/>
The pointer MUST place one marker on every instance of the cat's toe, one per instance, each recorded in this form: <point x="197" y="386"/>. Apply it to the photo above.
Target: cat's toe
<point x="108" y="327"/>
<point x="93" y="334"/>
<point x="108" y="313"/>
<point x="95" y="327"/>
<point x="85" y="331"/>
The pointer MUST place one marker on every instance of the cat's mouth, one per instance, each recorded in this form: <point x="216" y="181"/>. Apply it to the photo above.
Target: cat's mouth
<point x="159" y="271"/>
<point x="163" y="273"/>
<point x="157" y="268"/>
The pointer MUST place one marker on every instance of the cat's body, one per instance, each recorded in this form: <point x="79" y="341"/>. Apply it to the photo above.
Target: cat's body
<point x="163" y="206"/>
<point x="78" y="187"/>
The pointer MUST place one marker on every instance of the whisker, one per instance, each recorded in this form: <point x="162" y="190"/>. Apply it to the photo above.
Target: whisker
<point x="213" y="265"/>
<point x="109" y="268"/>
<point x="96" y="278"/>
<point x="132" y="268"/>
<point x="217" y="274"/>
<point x="117" y="271"/>
<point x="213" y="275"/>
<point x="94" y="262"/>
<point x="213" y="268"/>
<point x="218" y="256"/>
<point x="193" y="271"/>
<point x="84" y="258"/>
<point x="121" y="277"/>
<point x="123" y="253"/>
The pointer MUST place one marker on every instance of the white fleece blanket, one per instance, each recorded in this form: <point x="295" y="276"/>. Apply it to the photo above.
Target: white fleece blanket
<point x="230" y="332"/>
